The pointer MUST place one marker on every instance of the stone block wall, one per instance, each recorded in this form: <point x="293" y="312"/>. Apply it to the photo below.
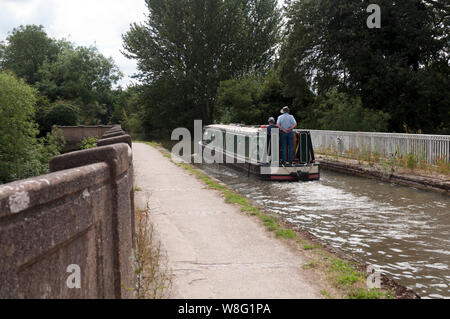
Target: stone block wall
<point x="81" y="214"/>
<point x="74" y="135"/>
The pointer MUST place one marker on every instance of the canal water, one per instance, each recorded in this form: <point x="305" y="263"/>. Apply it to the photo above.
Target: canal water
<point x="402" y="231"/>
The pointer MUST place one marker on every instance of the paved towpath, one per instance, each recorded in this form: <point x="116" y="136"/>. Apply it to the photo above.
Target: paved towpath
<point x="214" y="250"/>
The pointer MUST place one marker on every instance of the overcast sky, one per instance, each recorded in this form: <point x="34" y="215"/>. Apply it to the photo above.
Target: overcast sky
<point x="84" y="22"/>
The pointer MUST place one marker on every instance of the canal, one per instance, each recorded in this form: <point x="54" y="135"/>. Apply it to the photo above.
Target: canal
<point x="403" y="231"/>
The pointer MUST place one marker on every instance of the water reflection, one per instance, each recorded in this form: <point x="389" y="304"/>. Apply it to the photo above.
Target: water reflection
<point x="403" y="231"/>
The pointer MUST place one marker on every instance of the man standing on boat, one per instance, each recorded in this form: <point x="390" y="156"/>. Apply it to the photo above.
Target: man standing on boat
<point x="286" y="123"/>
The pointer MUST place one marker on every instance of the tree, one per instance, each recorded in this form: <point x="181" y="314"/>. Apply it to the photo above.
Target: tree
<point x="61" y="71"/>
<point x="2" y="53"/>
<point x="62" y="114"/>
<point x="186" y="48"/>
<point x="43" y="105"/>
<point x="274" y="96"/>
<point x="128" y="110"/>
<point x="84" y="76"/>
<point x="22" y="155"/>
<point x="251" y="99"/>
<point x="340" y="112"/>
<point x="399" y="69"/>
<point x="28" y="47"/>
<point x="238" y="100"/>
<point x="119" y="116"/>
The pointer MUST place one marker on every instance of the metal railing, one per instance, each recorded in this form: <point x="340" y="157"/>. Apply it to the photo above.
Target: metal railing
<point x="433" y="149"/>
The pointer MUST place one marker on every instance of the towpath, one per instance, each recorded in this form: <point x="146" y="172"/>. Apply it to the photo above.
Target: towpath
<point x="214" y="250"/>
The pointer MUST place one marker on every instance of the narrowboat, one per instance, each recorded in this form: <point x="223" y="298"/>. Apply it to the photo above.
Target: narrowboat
<point x="252" y="150"/>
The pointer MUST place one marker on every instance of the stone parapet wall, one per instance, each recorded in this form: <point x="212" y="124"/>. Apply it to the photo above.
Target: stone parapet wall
<point x="81" y="214"/>
<point x="74" y="135"/>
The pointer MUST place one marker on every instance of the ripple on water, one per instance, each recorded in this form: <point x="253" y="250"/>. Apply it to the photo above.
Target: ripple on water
<point x="404" y="231"/>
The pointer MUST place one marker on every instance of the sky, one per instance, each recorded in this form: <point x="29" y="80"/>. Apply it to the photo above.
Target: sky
<point x="84" y="22"/>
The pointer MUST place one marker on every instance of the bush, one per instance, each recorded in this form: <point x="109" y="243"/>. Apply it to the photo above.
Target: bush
<point x="17" y="131"/>
<point x="340" y="112"/>
<point x="135" y="127"/>
<point x="22" y="154"/>
<point x="62" y="114"/>
<point x="88" y="143"/>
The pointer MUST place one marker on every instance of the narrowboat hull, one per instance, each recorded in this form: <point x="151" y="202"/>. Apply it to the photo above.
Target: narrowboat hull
<point x="288" y="173"/>
<point x="249" y="149"/>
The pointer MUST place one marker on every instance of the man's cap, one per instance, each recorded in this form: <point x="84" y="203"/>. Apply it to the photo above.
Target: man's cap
<point x="285" y="110"/>
<point x="271" y="120"/>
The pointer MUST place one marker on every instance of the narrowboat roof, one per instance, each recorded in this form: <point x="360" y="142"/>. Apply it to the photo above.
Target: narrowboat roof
<point x="236" y="128"/>
<point x="242" y="129"/>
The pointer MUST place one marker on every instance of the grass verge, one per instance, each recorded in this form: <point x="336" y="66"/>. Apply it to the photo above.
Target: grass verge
<point x="154" y="279"/>
<point x="343" y="275"/>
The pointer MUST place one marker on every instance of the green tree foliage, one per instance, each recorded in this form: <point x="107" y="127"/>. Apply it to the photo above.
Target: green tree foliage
<point x="274" y="95"/>
<point x="84" y="76"/>
<point x="17" y="131"/>
<point x="251" y="99"/>
<point x="61" y="114"/>
<point x="28" y="47"/>
<point x="135" y="127"/>
<point x="89" y="142"/>
<point x="22" y="155"/>
<point x="61" y="71"/>
<point x="401" y="69"/>
<point x="126" y="102"/>
<point x="2" y="53"/>
<point x="340" y="112"/>
<point x="186" y="48"/>
<point x="132" y="105"/>
<point x="43" y="105"/>
<point x="119" y="116"/>
<point x="238" y="100"/>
